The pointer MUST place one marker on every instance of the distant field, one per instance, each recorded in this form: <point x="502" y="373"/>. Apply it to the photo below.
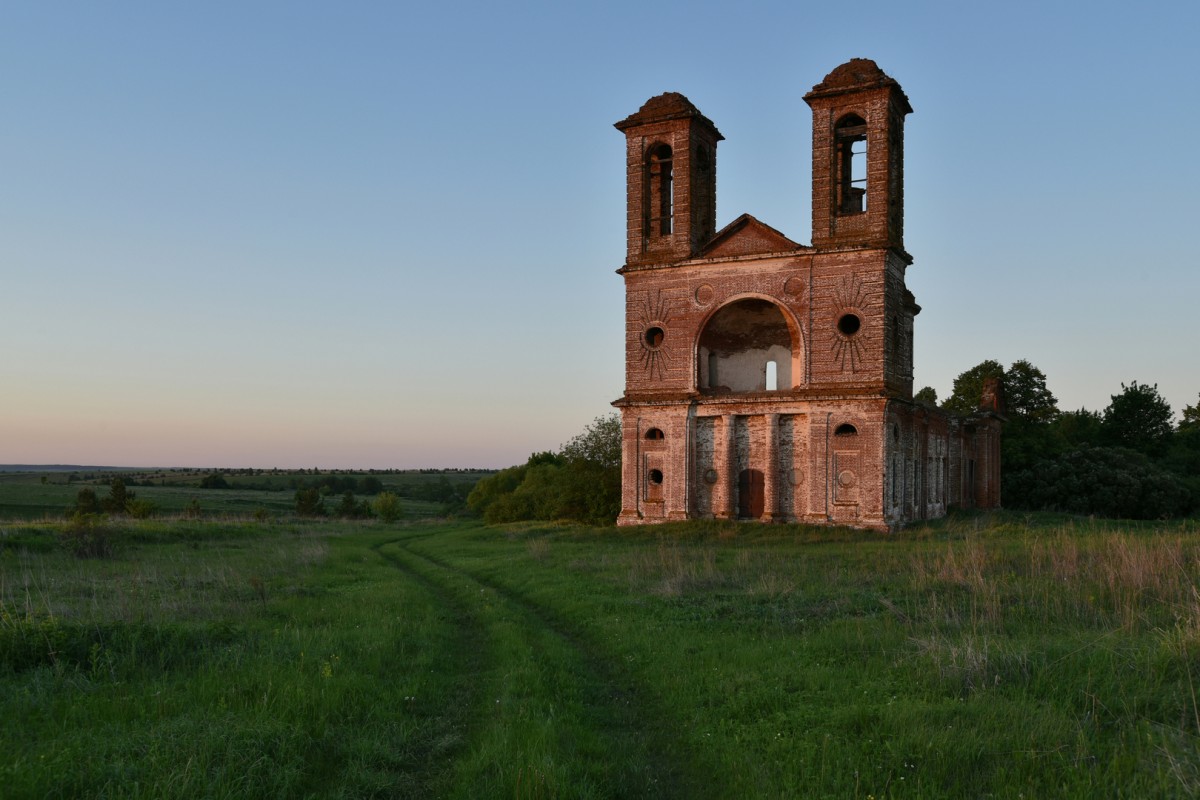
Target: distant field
<point x="43" y="495"/>
<point x="995" y="656"/>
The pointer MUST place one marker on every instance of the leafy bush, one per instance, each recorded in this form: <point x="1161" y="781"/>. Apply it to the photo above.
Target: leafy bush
<point x="140" y="509"/>
<point x="86" y="502"/>
<point x="214" y="481"/>
<point x="87" y="536"/>
<point x="387" y="507"/>
<point x="489" y="490"/>
<point x="118" y="498"/>
<point x="349" y="508"/>
<point x="1109" y="482"/>
<point x="580" y="482"/>
<point x="309" y="502"/>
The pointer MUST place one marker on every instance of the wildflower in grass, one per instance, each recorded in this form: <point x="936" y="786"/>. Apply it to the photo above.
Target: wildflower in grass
<point x="327" y="666"/>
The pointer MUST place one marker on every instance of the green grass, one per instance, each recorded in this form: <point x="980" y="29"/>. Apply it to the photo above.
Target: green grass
<point x="1000" y="656"/>
<point x="23" y="495"/>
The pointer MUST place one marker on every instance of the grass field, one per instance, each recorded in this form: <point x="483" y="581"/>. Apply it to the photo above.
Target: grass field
<point x="32" y="495"/>
<point x="998" y="656"/>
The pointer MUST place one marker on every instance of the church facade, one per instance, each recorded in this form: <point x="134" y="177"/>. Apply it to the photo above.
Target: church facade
<point x="771" y="380"/>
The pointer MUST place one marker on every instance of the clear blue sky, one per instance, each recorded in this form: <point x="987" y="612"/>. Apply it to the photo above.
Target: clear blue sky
<point x="384" y="234"/>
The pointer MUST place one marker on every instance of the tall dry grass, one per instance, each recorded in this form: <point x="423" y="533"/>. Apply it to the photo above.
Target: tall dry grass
<point x="1137" y="580"/>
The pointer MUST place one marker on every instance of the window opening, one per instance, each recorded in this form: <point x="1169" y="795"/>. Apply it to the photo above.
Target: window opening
<point x="656" y="476"/>
<point x="846" y="429"/>
<point x="851" y="136"/>
<point x="662" y="191"/>
<point x="772" y="376"/>
<point x="849" y="324"/>
<point x="654" y="337"/>
<point x="655" y="434"/>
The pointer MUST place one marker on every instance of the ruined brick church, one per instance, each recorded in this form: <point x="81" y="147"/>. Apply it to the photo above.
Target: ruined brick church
<point x="771" y="380"/>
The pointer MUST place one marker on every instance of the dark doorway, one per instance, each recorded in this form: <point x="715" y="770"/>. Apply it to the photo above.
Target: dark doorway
<point x="750" y="494"/>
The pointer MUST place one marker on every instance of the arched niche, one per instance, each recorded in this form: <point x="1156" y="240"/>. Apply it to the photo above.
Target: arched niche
<point x="738" y="344"/>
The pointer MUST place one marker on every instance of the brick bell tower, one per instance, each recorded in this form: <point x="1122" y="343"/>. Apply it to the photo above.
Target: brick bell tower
<point x="858" y="158"/>
<point x="771" y="380"/>
<point x="671" y="165"/>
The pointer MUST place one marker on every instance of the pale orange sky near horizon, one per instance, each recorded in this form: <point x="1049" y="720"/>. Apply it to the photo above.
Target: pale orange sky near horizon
<point x="384" y="236"/>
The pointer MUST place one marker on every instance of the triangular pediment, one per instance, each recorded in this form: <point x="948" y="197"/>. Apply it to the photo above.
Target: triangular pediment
<point x="746" y="236"/>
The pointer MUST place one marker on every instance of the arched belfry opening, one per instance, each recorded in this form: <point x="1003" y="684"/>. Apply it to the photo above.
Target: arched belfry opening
<point x="660" y="200"/>
<point x="851" y="138"/>
<point x="746" y="346"/>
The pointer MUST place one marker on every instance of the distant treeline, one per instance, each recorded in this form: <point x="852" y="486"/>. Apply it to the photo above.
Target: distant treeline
<point x="236" y="478"/>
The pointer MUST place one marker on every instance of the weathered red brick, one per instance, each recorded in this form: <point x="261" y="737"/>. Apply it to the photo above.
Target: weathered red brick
<point x="712" y="315"/>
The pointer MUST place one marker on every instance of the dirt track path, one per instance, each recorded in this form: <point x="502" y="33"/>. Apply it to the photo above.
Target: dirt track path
<point x="548" y="713"/>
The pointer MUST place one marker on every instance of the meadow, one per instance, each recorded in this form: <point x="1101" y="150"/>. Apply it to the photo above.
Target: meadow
<point x="33" y="495"/>
<point x="980" y="656"/>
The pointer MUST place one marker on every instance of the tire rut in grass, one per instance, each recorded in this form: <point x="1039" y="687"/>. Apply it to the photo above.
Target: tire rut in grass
<point x="636" y="735"/>
<point x="454" y="724"/>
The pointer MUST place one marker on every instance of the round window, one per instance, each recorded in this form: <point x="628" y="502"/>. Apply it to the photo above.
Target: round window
<point x="654" y="337"/>
<point x="656" y="476"/>
<point x="849" y="324"/>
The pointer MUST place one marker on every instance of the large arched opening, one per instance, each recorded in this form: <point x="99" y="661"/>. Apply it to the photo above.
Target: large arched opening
<point x="746" y="346"/>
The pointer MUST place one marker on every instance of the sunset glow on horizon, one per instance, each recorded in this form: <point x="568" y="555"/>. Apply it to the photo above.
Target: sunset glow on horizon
<point x="384" y="236"/>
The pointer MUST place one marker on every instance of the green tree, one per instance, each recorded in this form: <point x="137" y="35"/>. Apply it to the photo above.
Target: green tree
<point x="590" y="485"/>
<point x="539" y="496"/>
<point x="86" y="502"/>
<point x="1191" y="418"/>
<point x="1108" y="481"/>
<point x="489" y="490"/>
<point x="580" y="482"/>
<point x="370" y="486"/>
<point x="1026" y="394"/>
<point x="309" y="502"/>
<point x="927" y="396"/>
<point x="968" y="387"/>
<point x="1138" y="418"/>
<point x="1077" y="428"/>
<point x="599" y="444"/>
<point x="387" y="507"/>
<point x="118" y="498"/>
<point x="214" y="481"/>
<point x="349" y="508"/>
